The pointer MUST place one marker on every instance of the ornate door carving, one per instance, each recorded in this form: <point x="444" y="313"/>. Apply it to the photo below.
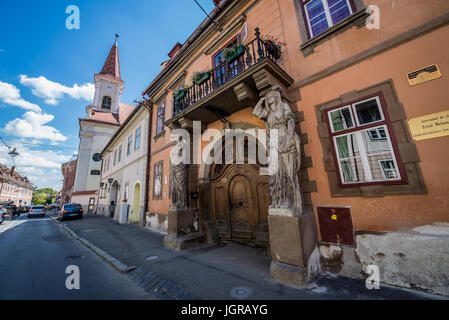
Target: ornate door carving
<point x="239" y="203"/>
<point x="241" y="208"/>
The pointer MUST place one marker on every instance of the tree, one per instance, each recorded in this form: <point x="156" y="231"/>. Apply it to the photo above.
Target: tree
<point x="44" y="196"/>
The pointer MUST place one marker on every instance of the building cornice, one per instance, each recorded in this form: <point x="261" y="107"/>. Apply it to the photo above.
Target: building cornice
<point x="230" y="7"/>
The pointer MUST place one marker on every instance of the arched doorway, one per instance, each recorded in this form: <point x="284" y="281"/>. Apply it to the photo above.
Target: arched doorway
<point x="113" y="199"/>
<point x="237" y="197"/>
<point x="135" y="210"/>
<point x="239" y="204"/>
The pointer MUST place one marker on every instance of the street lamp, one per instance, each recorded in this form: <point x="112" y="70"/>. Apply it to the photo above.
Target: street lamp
<point x="110" y="180"/>
<point x="13" y="152"/>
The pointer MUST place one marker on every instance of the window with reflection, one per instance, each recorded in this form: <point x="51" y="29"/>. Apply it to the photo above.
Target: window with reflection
<point x="362" y="142"/>
<point x="320" y="15"/>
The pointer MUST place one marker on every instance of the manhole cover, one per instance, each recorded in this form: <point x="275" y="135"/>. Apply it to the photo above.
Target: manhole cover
<point x="151" y="258"/>
<point x="241" y="293"/>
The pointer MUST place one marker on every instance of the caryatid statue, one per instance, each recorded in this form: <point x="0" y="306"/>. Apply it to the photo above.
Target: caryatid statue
<point x="284" y="182"/>
<point x="178" y="175"/>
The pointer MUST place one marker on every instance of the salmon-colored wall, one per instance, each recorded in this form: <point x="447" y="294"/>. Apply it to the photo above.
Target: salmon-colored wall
<point x="390" y="212"/>
<point x="405" y="15"/>
<point x="279" y="18"/>
<point x="160" y="206"/>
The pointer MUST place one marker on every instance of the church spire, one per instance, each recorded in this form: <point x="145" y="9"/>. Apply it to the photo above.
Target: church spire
<point x="112" y="64"/>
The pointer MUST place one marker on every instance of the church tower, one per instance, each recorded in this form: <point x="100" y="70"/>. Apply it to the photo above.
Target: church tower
<point x="103" y="118"/>
<point x="109" y="84"/>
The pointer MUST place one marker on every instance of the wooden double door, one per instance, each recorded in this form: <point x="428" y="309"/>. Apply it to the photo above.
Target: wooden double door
<point x="239" y="203"/>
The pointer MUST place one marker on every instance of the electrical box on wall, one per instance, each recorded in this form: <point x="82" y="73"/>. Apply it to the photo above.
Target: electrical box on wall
<point x="336" y="225"/>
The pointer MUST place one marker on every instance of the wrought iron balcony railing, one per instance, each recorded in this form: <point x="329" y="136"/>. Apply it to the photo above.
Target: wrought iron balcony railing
<point x="254" y="51"/>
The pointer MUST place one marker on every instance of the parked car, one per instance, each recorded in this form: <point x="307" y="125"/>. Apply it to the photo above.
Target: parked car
<point x="71" y="210"/>
<point x="23" y="209"/>
<point x="37" y="211"/>
<point x="11" y="210"/>
<point x="2" y="215"/>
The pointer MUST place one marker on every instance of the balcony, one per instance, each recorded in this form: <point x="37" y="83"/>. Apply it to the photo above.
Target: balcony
<point x="232" y="85"/>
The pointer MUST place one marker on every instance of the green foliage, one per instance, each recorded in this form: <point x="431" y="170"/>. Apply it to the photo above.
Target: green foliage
<point x="274" y="41"/>
<point x="44" y="196"/>
<point x="229" y="51"/>
<point x="201" y="75"/>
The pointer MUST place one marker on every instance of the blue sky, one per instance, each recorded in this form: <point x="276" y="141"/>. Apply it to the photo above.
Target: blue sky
<point x="47" y="71"/>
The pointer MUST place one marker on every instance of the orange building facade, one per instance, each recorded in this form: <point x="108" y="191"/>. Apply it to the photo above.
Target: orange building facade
<point x="346" y="73"/>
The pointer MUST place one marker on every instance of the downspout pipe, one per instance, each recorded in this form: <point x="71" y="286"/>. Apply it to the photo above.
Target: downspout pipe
<point x="149" y="106"/>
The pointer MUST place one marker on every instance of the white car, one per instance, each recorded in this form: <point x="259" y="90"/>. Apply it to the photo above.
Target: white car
<point x="37" y="211"/>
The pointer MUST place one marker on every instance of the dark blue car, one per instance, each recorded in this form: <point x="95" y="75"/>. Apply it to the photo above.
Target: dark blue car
<point x="72" y="210"/>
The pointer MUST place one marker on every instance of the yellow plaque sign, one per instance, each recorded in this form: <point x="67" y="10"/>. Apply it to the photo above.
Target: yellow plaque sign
<point x="423" y="75"/>
<point x="430" y="126"/>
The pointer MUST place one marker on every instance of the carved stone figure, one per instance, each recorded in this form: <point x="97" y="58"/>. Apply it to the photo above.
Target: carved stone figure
<point x="178" y="177"/>
<point x="178" y="185"/>
<point x="284" y="183"/>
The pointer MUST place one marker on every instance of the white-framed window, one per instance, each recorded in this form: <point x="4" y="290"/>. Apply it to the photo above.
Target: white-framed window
<point x="130" y="145"/>
<point x="362" y="143"/>
<point x="137" y="139"/>
<point x="115" y="157"/>
<point x="377" y="134"/>
<point x="160" y="118"/>
<point x="157" y="183"/>
<point x="388" y="168"/>
<point x="323" y="14"/>
<point x="125" y="196"/>
<point x="119" y="154"/>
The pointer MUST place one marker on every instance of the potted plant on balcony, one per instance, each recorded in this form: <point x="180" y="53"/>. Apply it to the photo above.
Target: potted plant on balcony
<point x="233" y="52"/>
<point x="273" y="46"/>
<point x="180" y="92"/>
<point x="200" y="77"/>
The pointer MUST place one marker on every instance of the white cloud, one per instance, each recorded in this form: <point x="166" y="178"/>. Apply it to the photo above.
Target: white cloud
<point x="9" y="94"/>
<point x="42" y="167"/>
<point x="53" y="92"/>
<point x="32" y="125"/>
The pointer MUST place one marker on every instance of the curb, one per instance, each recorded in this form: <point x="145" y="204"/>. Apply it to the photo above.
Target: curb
<point x="115" y="263"/>
<point x="151" y="282"/>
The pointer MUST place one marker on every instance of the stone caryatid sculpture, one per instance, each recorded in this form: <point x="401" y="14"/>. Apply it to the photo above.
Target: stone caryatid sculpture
<point x="178" y="176"/>
<point x="284" y="182"/>
<point x="178" y="185"/>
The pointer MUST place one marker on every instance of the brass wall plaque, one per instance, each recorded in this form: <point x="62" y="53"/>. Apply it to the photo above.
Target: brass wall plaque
<point x="430" y="126"/>
<point x="423" y="75"/>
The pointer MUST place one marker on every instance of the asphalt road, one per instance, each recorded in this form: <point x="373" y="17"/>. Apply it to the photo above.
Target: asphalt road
<point x="34" y="255"/>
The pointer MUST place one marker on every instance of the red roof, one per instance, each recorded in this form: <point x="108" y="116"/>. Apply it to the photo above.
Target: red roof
<point x="175" y="49"/>
<point x="16" y="178"/>
<point x="186" y="44"/>
<point x="112" y="118"/>
<point x="112" y="65"/>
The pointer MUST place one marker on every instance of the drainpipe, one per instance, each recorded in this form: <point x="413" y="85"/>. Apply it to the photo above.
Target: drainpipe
<point x="149" y="106"/>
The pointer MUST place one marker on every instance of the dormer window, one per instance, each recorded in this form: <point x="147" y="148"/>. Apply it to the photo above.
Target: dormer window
<point x="106" y="103"/>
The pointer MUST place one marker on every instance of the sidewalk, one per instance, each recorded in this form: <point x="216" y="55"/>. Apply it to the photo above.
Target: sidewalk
<point x="230" y="271"/>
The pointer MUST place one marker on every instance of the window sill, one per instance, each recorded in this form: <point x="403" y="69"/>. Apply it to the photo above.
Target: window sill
<point x="159" y="135"/>
<point x="357" y="19"/>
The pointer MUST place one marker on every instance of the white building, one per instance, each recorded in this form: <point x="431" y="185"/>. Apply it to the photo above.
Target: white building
<point x="103" y="119"/>
<point x="14" y="187"/>
<point x="123" y="178"/>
